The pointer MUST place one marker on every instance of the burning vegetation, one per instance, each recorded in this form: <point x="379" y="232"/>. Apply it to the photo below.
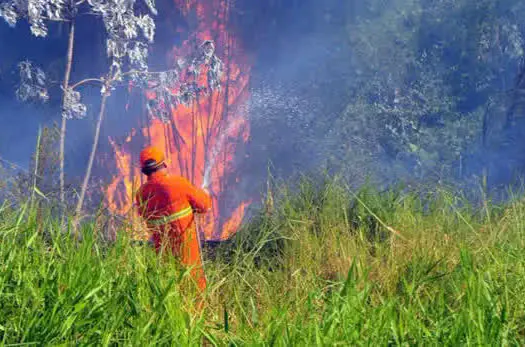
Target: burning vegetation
<point x="199" y="138"/>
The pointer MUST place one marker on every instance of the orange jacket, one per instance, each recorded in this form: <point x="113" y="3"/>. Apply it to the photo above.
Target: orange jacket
<point x="164" y="195"/>
<point x="169" y="202"/>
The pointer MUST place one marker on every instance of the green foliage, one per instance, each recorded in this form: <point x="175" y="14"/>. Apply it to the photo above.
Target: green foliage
<point x="319" y="267"/>
<point x="430" y="86"/>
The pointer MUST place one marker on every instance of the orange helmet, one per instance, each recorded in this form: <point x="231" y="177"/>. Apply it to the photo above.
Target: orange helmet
<point x="151" y="157"/>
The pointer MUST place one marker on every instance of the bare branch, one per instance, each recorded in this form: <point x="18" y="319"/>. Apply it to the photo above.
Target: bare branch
<point x="61" y="20"/>
<point x="87" y="80"/>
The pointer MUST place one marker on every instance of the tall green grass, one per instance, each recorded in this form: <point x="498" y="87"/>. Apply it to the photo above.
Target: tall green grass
<point x="317" y="267"/>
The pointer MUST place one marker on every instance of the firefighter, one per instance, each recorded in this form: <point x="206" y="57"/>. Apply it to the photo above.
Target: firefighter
<point x="168" y="204"/>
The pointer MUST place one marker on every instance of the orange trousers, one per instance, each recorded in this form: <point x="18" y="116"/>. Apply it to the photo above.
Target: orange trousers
<point x="186" y="247"/>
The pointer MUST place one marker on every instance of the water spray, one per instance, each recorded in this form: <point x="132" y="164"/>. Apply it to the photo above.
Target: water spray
<point x="217" y="148"/>
<point x="267" y="103"/>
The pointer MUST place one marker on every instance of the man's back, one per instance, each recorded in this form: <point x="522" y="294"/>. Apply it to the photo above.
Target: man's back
<point x="167" y="203"/>
<point x="164" y="195"/>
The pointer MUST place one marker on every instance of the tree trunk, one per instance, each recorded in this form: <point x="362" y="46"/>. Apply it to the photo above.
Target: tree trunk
<point x="65" y="85"/>
<point x="91" y="157"/>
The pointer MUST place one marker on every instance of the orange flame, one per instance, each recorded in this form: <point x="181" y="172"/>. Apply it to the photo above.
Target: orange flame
<point x="192" y="134"/>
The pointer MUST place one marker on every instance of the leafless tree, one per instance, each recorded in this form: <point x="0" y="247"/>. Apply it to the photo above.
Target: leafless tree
<point x="38" y="13"/>
<point x="128" y="36"/>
